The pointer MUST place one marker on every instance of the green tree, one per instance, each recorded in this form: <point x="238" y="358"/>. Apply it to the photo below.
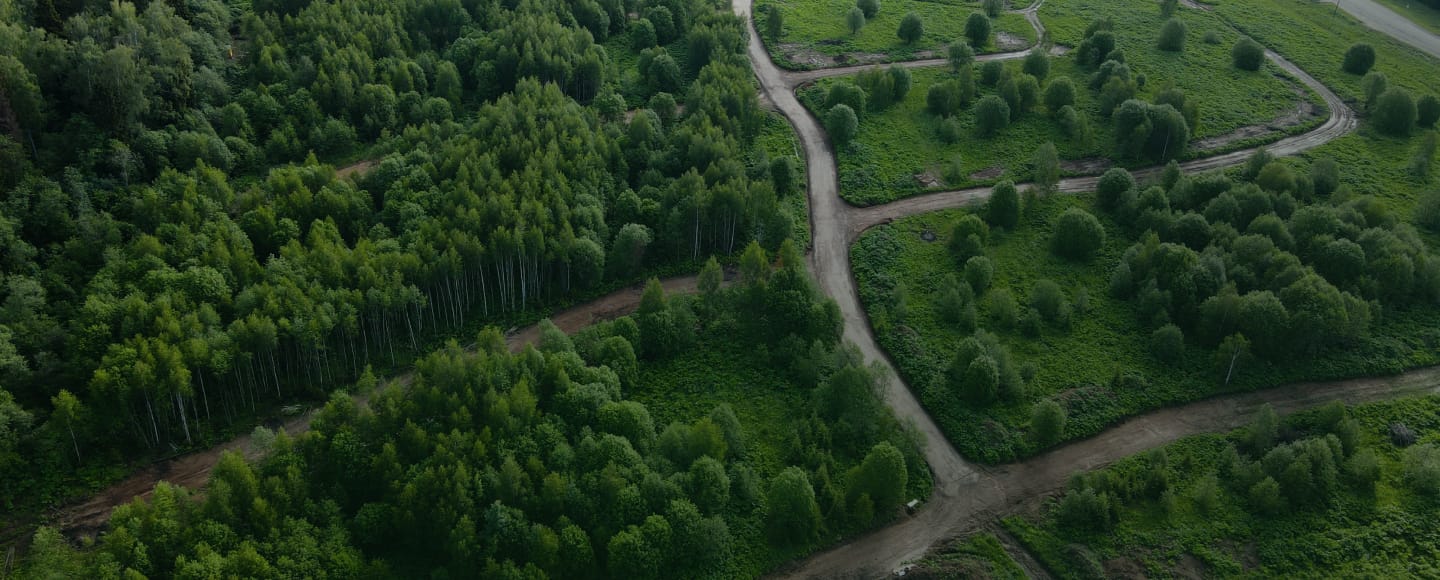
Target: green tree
<point x="1422" y="469"/>
<point x="1247" y="54"/>
<point x="1359" y="59"/>
<point x="1264" y="428"/>
<point x="1172" y="35"/>
<point x="1002" y="210"/>
<point x="869" y="7"/>
<point x="68" y="415"/>
<point x="1168" y="8"/>
<point x="968" y="237"/>
<point x="1374" y="84"/>
<point x="855" y="20"/>
<point x="992" y="115"/>
<point x="1047" y="298"/>
<point x="775" y="23"/>
<point x="1265" y="497"/>
<point x="709" y="485"/>
<point x="960" y="55"/>
<point x="842" y="124"/>
<point x="627" y="252"/>
<point x="1427" y="111"/>
<point x="977" y="30"/>
<point x="1078" y="235"/>
<point x="643" y="35"/>
<point x="979" y="272"/>
<point x="794" y="516"/>
<point x="1047" y="422"/>
<point x="1168" y="343"/>
<point x="1047" y="167"/>
<point x="882" y="476"/>
<point x="911" y="29"/>
<point x="1059" y="93"/>
<point x="993" y="8"/>
<point x="1395" y="112"/>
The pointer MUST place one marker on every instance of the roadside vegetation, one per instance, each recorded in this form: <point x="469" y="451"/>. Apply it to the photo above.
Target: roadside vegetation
<point x="1142" y="296"/>
<point x="1333" y="492"/>
<point x="818" y="33"/>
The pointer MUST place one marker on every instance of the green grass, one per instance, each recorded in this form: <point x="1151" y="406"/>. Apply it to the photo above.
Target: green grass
<point x="1075" y="365"/>
<point x="818" y="27"/>
<point x="777" y="138"/>
<point x="1390" y="534"/>
<point x="895" y="145"/>
<point x="1425" y="16"/>
<point x="1378" y="165"/>
<point x="1315" y="37"/>
<point x="976" y="556"/>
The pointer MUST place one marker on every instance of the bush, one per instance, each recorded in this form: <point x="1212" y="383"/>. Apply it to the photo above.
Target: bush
<point x="1247" y="54"/>
<point x="1427" y="111"/>
<point x="1037" y="63"/>
<point x="992" y="115"/>
<point x="1373" y="85"/>
<point x="1112" y="187"/>
<point x="1422" y="469"/>
<point x="855" y="20"/>
<point x="1047" y="423"/>
<point x="911" y="28"/>
<point x="967" y="238"/>
<point x="960" y="55"/>
<point x="977" y="30"/>
<point x="844" y="93"/>
<point x="775" y="22"/>
<point x="1359" y="59"/>
<point x="945" y="98"/>
<point x="842" y="124"/>
<point x="1211" y="37"/>
<point x="1049" y="300"/>
<point x="1059" y="93"/>
<point x="869" y="7"/>
<point x="1003" y="309"/>
<point x="979" y="271"/>
<point x="1003" y="208"/>
<point x="1395" y="112"/>
<point x="1168" y="343"/>
<point x="642" y="34"/>
<point x="1078" y="235"/>
<point x="991" y="72"/>
<point x="993" y="8"/>
<point x="950" y="131"/>
<point x="1046" y="167"/>
<point x="1265" y="497"/>
<point x="1427" y="212"/>
<point x="1172" y="35"/>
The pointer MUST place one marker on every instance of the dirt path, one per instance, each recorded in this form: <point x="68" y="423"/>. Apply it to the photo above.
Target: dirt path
<point x="966" y="495"/>
<point x="192" y="470"/>
<point x="1387" y="21"/>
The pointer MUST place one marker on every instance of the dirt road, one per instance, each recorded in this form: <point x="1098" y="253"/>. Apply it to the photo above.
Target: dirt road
<point x="1378" y="17"/>
<point x="966" y="495"/>
<point x="193" y="470"/>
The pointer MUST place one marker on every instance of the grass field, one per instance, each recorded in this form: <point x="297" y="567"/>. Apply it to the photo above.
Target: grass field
<point x="976" y="556"/>
<point x="895" y="145"/>
<point x="1077" y="365"/>
<point x="1387" y="533"/>
<point x="815" y="31"/>
<point x="1315" y="37"/>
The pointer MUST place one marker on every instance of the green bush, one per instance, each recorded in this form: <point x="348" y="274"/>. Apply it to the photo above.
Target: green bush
<point x="1172" y="36"/>
<point x="1247" y="54"/>
<point x="1374" y="84"/>
<point x="960" y="55"/>
<point x="1078" y="235"/>
<point x="1047" y="422"/>
<point x="869" y="7"/>
<point x="1265" y="497"/>
<point x="1395" y="112"/>
<point x="1059" y="93"/>
<point x="992" y="115"/>
<point x="1049" y="300"/>
<point x="993" y="8"/>
<point x="950" y="131"/>
<point x="1111" y="188"/>
<point x="1359" y="59"/>
<point x="911" y="28"/>
<point x="977" y="30"/>
<point x="979" y="272"/>
<point x="1427" y="111"/>
<point x="1168" y="343"/>
<point x="1002" y="210"/>
<point x="842" y="124"/>
<point x="855" y="20"/>
<point x="1037" y="63"/>
<point x="1422" y="469"/>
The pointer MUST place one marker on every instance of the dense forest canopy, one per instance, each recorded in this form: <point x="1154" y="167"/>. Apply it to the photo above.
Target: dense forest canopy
<point x="177" y="253"/>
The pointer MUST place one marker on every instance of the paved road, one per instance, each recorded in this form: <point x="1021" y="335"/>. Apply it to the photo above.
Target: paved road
<point x="1378" y="17"/>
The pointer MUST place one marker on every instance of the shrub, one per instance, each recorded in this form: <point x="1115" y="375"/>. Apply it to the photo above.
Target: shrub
<point x="1003" y="208"/>
<point x="1395" y="112"/>
<point x="993" y="8"/>
<point x="1168" y="343"/>
<point x="1168" y="8"/>
<point x="978" y="273"/>
<point x="945" y="98"/>
<point x="1359" y="59"/>
<point x="1047" y="166"/>
<point x="1373" y="85"/>
<point x="844" y="93"/>
<point x="954" y="170"/>
<point x="1247" y="54"/>
<point x="967" y="238"/>
<point x="1078" y="235"/>
<point x="1003" y="308"/>
<point x="950" y="130"/>
<point x="1059" y="93"/>
<point x="775" y="22"/>
<point x="1211" y="37"/>
<point x="992" y="115"/>
<point x="642" y="34"/>
<point x="991" y="72"/>
<point x="1172" y="35"/>
<point x="977" y="30"/>
<point x="869" y="7"/>
<point x="1427" y="111"/>
<point x="842" y="124"/>
<point x="960" y="55"/>
<point x="1047" y="422"/>
<point x="1049" y="300"/>
<point x="1037" y="63"/>
<point x="1325" y="176"/>
<point x="1112" y="187"/>
<point x="1265" y="497"/>
<point x="1422" y="469"/>
<point x="1427" y="212"/>
<point x="855" y="20"/>
<point x="911" y="28"/>
<point x="1027" y="89"/>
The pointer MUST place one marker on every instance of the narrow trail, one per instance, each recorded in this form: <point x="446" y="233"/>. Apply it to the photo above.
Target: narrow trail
<point x="1384" y="20"/>
<point x="192" y="470"/>
<point x="966" y="495"/>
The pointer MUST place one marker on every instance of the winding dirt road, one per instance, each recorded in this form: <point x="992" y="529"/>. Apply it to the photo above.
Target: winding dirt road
<point x="966" y="495"/>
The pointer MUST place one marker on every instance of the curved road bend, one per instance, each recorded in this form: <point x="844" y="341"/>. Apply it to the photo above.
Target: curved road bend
<point x="965" y="494"/>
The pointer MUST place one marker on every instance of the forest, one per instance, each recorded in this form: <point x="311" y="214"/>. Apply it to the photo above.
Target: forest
<point x="179" y="254"/>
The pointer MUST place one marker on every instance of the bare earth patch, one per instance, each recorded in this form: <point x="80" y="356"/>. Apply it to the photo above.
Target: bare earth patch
<point x="1007" y="42"/>
<point x="988" y="173"/>
<point x="929" y="179"/>
<point x="1189" y="567"/>
<point x="1059" y="50"/>
<point x="802" y="55"/>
